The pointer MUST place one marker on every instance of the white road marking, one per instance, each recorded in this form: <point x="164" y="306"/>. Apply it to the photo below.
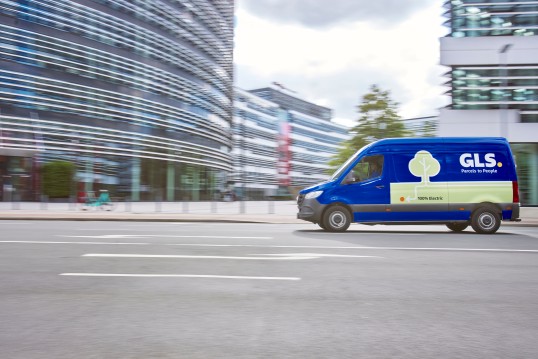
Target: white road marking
<point x="273" y="256"/>
<point x="357" y="247"/>
<point x="113" y="255"/>
<point x="315" y="255"/>
<point x="114" y="236"/>
<point x="90" y="243"/>
<point x="175" y="276"/>
<point x="133" y="227"/>
<point x="109" y="236"/>
<point x="507" y="250"/>
<point x="448" y="249"/>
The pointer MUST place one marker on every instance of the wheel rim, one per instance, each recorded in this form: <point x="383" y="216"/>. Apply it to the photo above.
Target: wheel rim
<point x="486" y="221"/>
<point x="337" y="219"/>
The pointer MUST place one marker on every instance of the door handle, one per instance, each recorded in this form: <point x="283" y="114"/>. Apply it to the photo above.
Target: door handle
<point x="379" y="187"/>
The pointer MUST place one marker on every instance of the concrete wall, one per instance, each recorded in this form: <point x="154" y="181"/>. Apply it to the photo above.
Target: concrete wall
<point x="470" y="123"/>
<point x="468" y="51"/>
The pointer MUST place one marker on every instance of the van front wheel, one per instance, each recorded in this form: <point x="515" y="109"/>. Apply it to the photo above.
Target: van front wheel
<point x="336" y="219"/>
<point x="485" y="220"/>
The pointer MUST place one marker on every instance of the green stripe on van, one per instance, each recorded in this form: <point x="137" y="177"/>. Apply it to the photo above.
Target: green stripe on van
<point x="453" y="192"/>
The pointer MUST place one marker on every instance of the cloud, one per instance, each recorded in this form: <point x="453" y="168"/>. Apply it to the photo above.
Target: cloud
<point x="334" y="67"/>
<point x="323" y="14"/>
<point x="340" y="91"/>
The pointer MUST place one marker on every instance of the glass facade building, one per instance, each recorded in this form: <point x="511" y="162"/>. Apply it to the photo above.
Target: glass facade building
<point x="307" y="139"/>
<point x="491" y="85"/>
<point x="255" y="152"/>
<point x="492" y="53"/>
<point x="473" y="18"/>
<point x="138" y="95"/>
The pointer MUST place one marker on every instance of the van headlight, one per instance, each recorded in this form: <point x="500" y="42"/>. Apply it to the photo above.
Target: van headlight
<point x="312" y="195"/>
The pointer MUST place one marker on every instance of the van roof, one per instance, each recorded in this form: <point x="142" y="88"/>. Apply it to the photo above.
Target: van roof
<point x="443" y="140"/>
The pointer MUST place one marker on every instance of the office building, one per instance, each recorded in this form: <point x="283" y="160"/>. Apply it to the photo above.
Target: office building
<point x="492" y="53"/>
<point x="137" y="94"/>
<point x="421" y="126"/>
<point x="255" y="150"/>
<point x="307" y="139"/>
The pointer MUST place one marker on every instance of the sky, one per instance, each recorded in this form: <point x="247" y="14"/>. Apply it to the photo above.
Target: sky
<point x="331" y="52"/>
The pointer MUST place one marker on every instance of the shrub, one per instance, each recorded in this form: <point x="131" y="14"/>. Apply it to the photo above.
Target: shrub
<point x="57" y="179"/>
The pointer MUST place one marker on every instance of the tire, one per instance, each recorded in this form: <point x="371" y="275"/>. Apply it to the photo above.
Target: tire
<point x="486" y="220"/>
<point x="322" y="226"/>
<point x="457" y="227"/>
<point x="336" y="219"/>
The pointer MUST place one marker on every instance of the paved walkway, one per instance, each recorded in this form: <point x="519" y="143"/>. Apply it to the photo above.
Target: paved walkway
<point x="249" y="211"/>
<point x="239" y="212"/>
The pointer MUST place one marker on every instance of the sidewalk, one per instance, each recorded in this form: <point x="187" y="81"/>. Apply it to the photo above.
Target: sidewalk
<point x="238" y="212"/>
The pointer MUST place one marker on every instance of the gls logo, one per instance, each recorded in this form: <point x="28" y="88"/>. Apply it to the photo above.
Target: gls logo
<point x="473" y="160"/>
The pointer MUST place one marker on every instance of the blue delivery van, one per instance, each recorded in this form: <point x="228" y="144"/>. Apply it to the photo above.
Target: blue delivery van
<point x="453" y="181"/>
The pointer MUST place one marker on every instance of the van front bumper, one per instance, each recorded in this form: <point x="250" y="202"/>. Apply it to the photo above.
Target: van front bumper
<point x="309" y="210"/>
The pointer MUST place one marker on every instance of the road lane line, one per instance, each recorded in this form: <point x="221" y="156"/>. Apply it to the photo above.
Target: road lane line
<point x="176" y="276"/>
<point x="507" y="250"/>
<point x="117" y="236"/>
<point x="358" y="247"/>
<point x="448" y="249"/>
<point x="315" y="255"/>
<point x="173" y="256"/>
<point x="272" y="256"/>
<point x="92" y="243"/>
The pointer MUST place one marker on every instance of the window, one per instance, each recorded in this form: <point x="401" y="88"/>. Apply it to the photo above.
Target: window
<point x="368" y="168"/>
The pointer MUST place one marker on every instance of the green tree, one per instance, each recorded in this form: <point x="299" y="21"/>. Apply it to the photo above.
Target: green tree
<point x="57" y="179"/>
<point x="378" y="118"/>
<point x="430" y="129"/>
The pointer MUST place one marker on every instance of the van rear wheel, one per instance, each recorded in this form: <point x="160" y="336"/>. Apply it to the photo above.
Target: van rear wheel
<point x="486" y="220"/>
<point x="336" y="219"/>
<point x="457" y="227"/>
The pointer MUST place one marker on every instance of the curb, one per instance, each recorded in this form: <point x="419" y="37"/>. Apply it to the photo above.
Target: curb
<point x="163" y="217"/>
<point x="145" y="217"/>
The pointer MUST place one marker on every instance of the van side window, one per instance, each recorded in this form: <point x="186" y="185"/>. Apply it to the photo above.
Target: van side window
<point x="368" y="168"/>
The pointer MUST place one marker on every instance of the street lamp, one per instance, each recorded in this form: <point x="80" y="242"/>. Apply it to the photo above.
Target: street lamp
<point x="503" y="52"/>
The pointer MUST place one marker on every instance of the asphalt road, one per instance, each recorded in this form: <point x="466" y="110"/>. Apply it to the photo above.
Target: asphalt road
<point x="218" y="290"/>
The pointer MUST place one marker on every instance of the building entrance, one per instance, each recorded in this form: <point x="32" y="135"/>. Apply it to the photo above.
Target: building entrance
<point x="16" y="179"/>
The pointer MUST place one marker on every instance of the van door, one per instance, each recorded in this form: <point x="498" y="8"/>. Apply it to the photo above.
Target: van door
<point x="366" y="189"/>
<point x="479" y="173"/>
<point x="419" y="189"/>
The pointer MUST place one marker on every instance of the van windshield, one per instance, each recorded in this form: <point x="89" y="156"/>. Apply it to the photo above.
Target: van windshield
<point x="348" y="163"/>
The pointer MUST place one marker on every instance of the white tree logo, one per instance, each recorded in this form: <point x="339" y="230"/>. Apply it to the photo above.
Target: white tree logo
<point x="423" y="165"/>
